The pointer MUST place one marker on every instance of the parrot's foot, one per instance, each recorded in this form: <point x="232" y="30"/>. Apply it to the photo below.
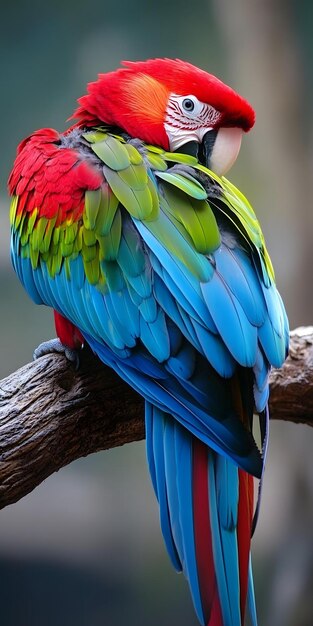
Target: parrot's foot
<point x="55" y="345"/>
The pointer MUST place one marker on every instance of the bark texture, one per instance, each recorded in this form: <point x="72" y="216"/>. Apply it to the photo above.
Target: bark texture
<point x="51" y="414"/>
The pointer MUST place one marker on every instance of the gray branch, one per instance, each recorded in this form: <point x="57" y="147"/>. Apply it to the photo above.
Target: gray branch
<point x="51" y="415"/>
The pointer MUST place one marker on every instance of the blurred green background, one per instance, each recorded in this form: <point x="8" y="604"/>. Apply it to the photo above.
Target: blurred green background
<point x="84" y="549"/>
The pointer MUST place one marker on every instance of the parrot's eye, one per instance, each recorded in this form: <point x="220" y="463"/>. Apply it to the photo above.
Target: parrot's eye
<point x="188" y="104"/>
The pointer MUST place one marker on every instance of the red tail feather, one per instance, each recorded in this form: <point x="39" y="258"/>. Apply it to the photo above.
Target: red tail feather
<point x="203" y="536"/>
<point x="245" y="516"/>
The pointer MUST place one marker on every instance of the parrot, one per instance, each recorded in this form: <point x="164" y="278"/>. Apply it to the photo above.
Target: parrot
<point x="126" y="226"/>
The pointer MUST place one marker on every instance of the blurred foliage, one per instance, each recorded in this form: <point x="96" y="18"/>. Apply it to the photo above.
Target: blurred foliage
<point x="85" y="547"/>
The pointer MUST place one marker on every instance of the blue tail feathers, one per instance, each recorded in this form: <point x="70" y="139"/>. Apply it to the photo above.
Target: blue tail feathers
<point x="198" y="494"/>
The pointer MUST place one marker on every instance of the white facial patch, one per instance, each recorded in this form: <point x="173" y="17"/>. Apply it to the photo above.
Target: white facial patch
<point x="188" y="119"/>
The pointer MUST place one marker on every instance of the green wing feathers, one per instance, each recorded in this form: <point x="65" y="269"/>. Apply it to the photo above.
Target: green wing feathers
<point x="163" y="190"/>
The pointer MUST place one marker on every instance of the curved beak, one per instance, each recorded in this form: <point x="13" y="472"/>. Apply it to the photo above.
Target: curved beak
<point x="218" y="149"/>
<point x="225" y="149"/>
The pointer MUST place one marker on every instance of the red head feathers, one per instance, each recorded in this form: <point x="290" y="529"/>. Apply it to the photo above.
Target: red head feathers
<point x="135" y="98"/>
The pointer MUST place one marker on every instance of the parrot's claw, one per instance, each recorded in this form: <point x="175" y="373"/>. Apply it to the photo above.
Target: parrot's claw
<point x="55" y="345"/>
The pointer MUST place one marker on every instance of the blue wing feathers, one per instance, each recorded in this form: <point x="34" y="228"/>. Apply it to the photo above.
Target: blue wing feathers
<point x="155" y="337"/>
<point x="246" y="265"/>
<point x="78" y="276"/>
<point x="215" y="351"/>
<point x="45" y="289"/>
<point x="179" y="283"/>
<point x="273" y="345"/>
<point x="148" y="309"/>
<point x="25" y="272"/>
<point x="183" y="363"/>
<point x="261" y="372"/>
<point x="285" y="322"/>
<point x="275" y="313"/>
<point x="175" y="312"/>
<point x="229" y="267"/>
<point x="236" y="331"/>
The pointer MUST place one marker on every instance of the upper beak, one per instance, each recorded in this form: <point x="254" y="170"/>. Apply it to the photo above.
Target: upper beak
<point x="218" y="149"/>
<point x="225" y="149"/>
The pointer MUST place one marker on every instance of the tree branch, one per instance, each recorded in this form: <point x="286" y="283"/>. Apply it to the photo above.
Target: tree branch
<point x="51" y="415"/>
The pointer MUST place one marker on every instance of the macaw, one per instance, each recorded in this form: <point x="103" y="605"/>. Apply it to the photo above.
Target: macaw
<point x="126" y="226"/>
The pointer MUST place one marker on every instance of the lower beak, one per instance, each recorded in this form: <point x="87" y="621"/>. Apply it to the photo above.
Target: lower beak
<point x="218" y="150"/>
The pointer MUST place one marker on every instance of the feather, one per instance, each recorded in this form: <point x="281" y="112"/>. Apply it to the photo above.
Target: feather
<point x="157" y="461"/>
<point x="215" y="350"/>
<point x="229" y="267"/>
<point x="231" y="321"/>
<point x="186" y="291"/>
<point x="197" y="218"/>
<point x="155" y="337"/>
<point x="190" y="186"/>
